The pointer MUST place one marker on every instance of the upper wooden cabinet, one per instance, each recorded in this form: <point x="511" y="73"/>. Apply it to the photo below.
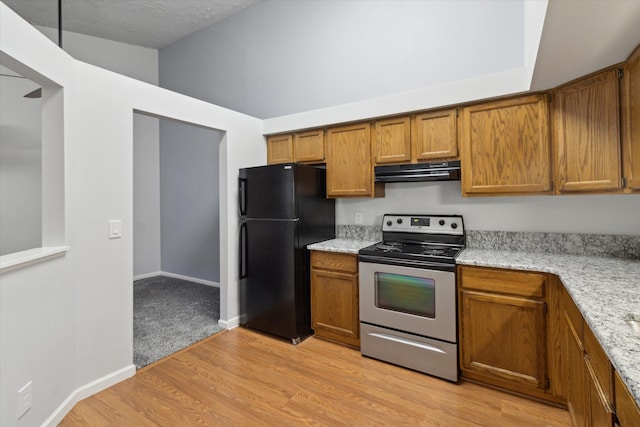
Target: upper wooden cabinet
<point x="308" y="147"/>
<point x="505" y="147"/>
<point x="349" y="165"/>
<point x="392" y="140"/>
<point x="279" y="149"/>
<point x="631" y="120"/>
<point x="435" y="135"/>
<point x="587" y="134"/>
<point x="419" y="138"/>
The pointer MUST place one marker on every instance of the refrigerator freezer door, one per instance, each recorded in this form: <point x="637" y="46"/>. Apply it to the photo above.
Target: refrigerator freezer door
<point x="268" y="192"/>
<point x="271" y="293"/>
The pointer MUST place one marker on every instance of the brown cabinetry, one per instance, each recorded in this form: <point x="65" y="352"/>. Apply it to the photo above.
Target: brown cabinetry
<point x="631" y="120"/>
<point x="435" y="135"/>
<point x="308" y="147"/>
<point x="505" y="328"/>
<point x="627" y="410"/>
<point x="505" y="146"/>
<point x="349" y="164"/>
<point x="423" y="137"/>
<point x="392" y="140"/>
<point x="279" y="149"/>
<point x="587" y="134"/>
<point x="589" y="374"/>
<point x="334" y="297"/>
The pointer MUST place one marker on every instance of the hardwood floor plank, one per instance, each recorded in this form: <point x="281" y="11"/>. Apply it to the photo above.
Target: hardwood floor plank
<point x="243" y="378"/>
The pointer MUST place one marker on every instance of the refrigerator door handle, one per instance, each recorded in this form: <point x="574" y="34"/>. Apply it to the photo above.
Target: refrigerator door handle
<point x="242" y="258"/>
<point x="242" y="195"/>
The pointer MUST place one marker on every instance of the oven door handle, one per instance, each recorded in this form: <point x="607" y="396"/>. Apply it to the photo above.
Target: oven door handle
<point x="441" y="266"/>
<point x="407" y="342"/>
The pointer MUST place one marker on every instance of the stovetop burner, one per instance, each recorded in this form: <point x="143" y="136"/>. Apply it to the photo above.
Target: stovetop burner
<point x="420" y="238"/>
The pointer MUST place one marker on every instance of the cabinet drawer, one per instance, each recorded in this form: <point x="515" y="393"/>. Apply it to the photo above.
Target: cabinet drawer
<point x="503" y="281"/>
<point x="602" y="369"/>
<point x="334" y="261"/>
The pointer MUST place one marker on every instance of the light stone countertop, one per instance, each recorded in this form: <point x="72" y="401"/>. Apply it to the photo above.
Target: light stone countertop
<point x="605" y="289"/>
<point x="348" y="246"/>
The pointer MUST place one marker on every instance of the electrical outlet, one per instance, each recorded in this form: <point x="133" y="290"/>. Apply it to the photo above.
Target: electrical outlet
<point x="358" y="218"/>
<point x="24" y="399"/>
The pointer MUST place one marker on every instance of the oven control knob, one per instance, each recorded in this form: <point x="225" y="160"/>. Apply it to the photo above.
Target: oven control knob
<point x="389" y="223"/>
<point x="399" y="220"/>
<point x="454" y="225"/>
<point x="441" y="222"/>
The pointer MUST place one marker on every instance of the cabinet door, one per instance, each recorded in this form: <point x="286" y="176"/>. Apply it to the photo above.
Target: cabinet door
<point x="349" y="166"/>
<point x="493" y="323"/>
<point x="631" y="120"/>
<point x="279" y="149"/>
<point x="334" y="306"/>
<point x="627" y="410"/>
<point x="575" y="371"/>
<point x="435" y="135"/>
<point x="392" y="142"/>
<point x="505" y="147"/>
<point x="587" y="134"/>
<point x="600" y="411"/>
<point x="308" y="147"/>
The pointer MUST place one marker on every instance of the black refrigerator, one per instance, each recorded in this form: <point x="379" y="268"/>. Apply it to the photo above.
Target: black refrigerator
<point x="283" y="208"/>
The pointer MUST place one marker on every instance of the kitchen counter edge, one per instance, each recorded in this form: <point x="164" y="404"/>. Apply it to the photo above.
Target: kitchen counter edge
<point x="347" y="246"/>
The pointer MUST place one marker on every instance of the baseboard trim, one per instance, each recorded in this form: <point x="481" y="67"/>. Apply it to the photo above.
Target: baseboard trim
<point x="229" y="324"/>
<point x="191" y="279"/>
<point x="88" y="390"/>
<point x="147" y="275"/>
<point x="177" y="276"/>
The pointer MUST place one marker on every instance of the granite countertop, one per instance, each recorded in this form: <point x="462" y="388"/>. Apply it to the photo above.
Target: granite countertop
<point x="348" y="246"/>
<point x="605" y="289"/>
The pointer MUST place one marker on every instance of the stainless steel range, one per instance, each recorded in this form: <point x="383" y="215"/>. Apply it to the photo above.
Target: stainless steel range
<point x="408" y="293"/>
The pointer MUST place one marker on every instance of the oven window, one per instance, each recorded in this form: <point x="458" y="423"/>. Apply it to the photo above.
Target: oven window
<point x="408" y="294"/>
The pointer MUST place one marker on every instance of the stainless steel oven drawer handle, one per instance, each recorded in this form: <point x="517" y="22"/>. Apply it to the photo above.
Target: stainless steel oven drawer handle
<point x="407" y="342"/>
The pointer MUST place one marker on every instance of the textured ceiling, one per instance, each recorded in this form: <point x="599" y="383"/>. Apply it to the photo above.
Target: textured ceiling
<point x="148" y="23"/>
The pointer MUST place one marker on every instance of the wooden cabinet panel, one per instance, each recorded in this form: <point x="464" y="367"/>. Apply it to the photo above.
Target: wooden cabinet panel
<point x="506" y="282"/>
<point x="505" y="147"/>
<point x="435" y="135"/>
<point x="334" y="261"/>
<point x="392" y="143"/>
<point x="599" y="364"/>
<point x="334" y="297"/>
<point x="308" y="147"/>
<point x="279" y="149"/>
<point x="492" y="323"/>
<point x="600" y="410"/>
<point x="631" y="120"/>
<point x="627" y="410"/>
<point x="575" y="374"/>
<point x="349" y="165"/>
<point x="587" y="134"/>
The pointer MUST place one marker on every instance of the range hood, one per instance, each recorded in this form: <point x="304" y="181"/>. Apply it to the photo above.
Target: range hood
<point x="434" y="171"/>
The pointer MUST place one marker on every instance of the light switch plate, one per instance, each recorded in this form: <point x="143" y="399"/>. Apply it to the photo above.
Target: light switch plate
<point x="358" y="218"/>
<point x="115" y="229"/>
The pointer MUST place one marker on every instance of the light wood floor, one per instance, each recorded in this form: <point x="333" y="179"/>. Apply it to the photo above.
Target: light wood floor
<point x="244" y="378"/>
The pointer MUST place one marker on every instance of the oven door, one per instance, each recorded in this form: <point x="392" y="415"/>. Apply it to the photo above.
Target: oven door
<point x="409" y="299"/>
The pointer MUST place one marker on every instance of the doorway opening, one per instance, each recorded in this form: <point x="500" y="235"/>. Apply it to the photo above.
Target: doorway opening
<point x="176" y="244"/>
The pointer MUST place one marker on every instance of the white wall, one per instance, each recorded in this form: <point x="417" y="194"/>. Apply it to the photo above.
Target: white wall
<point x="597" y="214"/>
<point x="281" y="57"/>
<point x="66" y="322"/>
<point x="20" y="166"/>
<point x="189" y="204"/>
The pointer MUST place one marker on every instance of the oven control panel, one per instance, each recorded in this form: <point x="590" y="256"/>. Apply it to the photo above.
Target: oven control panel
<point x="432" y="224"/>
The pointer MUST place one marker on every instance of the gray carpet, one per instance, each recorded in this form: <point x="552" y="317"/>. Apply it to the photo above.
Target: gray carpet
<point x="171" y="314"/>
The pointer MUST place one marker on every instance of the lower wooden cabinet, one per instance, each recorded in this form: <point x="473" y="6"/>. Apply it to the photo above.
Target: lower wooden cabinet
<point x="505" y="328"/>
<point x="627" y="411"/>
<point x="334" y="297"/>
